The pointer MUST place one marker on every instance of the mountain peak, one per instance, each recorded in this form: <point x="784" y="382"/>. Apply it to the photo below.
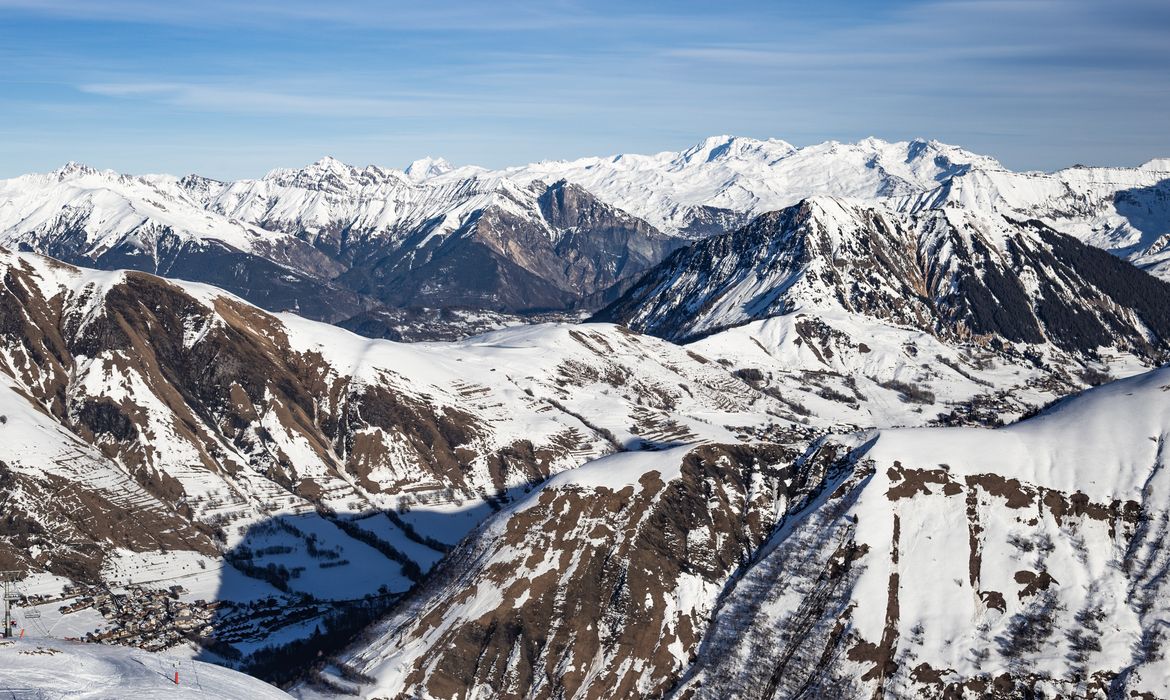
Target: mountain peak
<point x="322" y="166"/>
<point x="329" y="164"/>
<point x="725" y="146"/>
<point x="427" y="167"/>
<point x="329" y="173"/>
<point x="73" y="168"/>
<point x="828" y="209"/>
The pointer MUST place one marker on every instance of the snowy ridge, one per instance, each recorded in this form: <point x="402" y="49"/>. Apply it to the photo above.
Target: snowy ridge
<point x="1123" y="210"/>
<point x="749" y="176"/>
<point x="329" y="195"/>
<point x="335" y="241"/>
<point x="111" y="210"/>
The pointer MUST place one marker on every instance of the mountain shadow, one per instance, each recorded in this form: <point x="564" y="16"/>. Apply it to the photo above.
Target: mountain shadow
<point x="298" y="588"/>
<point x="1147" y="209"/>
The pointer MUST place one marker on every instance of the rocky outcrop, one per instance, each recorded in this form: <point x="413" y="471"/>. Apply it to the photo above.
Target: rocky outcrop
<point x="599" y="585"/>
<point x="953" y="273"/>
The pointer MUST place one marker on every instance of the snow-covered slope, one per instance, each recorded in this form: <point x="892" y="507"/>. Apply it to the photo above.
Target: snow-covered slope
<point x="950" y="562"/>
<point x="111" y="221"/>
<point x="54" y="669"/>
<point x="144" y="417"/>
<point x="963" y="562"/>
<point x="836" y="369"/>
<point x="597" y="585"/>
<point x="1123" y="210"/>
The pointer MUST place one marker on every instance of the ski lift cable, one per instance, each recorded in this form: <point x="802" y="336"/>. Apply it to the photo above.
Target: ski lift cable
<point x="38" y="623"/>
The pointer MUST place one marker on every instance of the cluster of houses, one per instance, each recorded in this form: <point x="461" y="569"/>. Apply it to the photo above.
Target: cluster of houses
<point x="151" y="619"/>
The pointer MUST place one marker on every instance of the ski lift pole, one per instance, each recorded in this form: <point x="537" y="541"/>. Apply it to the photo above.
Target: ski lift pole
<point x="8" y="578"/>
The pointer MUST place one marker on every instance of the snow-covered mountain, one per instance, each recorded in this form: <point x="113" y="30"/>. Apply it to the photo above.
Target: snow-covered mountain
<point x="1024" y="561"/>
<point x="772" y="477"/>
<point x="476" y="242"/>
<point x="1123" y="210"/>
<point x="154" y="431"/>
<point x="950" y="562"/>
<point x="333" y="241"/>
<point x="723" y="180"/>
<point x="426" y="168"/>
<point x="336" y="241"/>
<point x="950" y="271"/>
<point x="720" y="183"/>
<point x="111" y="221"/>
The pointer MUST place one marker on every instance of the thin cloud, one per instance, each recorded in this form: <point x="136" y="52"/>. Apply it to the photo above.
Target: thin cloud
<point x="1025" y="80"/>
<point x="498" y="16"/>
<point x="247" y="99"/>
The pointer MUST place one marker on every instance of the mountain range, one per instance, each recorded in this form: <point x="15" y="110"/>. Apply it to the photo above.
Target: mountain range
<point x="745" y="420"/>
<point x="373" y="247"/>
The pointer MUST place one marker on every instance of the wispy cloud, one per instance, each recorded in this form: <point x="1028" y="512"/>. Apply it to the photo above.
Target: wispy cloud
<point x="501" y="98"/>
<point x="257" y="100"/>
<point x="495" y="16"/>
<point x="1025" y="80"/>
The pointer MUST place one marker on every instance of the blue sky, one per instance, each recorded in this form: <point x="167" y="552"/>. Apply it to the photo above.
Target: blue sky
<point x="231" y="91"/>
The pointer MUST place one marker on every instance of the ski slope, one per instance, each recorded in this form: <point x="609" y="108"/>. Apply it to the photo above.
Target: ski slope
<point x="49" y="669"/>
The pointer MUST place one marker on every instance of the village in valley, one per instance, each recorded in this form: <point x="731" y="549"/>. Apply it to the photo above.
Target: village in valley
<point x="153" y="619"/>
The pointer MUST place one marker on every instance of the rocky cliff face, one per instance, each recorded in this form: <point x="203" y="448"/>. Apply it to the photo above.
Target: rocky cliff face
<point x="538" y="249"/>
<point x="953" y="273"/>
<point x="599" y="585"/>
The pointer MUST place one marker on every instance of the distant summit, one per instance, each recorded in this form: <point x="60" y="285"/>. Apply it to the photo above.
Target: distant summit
<point x="426" y="168"/>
